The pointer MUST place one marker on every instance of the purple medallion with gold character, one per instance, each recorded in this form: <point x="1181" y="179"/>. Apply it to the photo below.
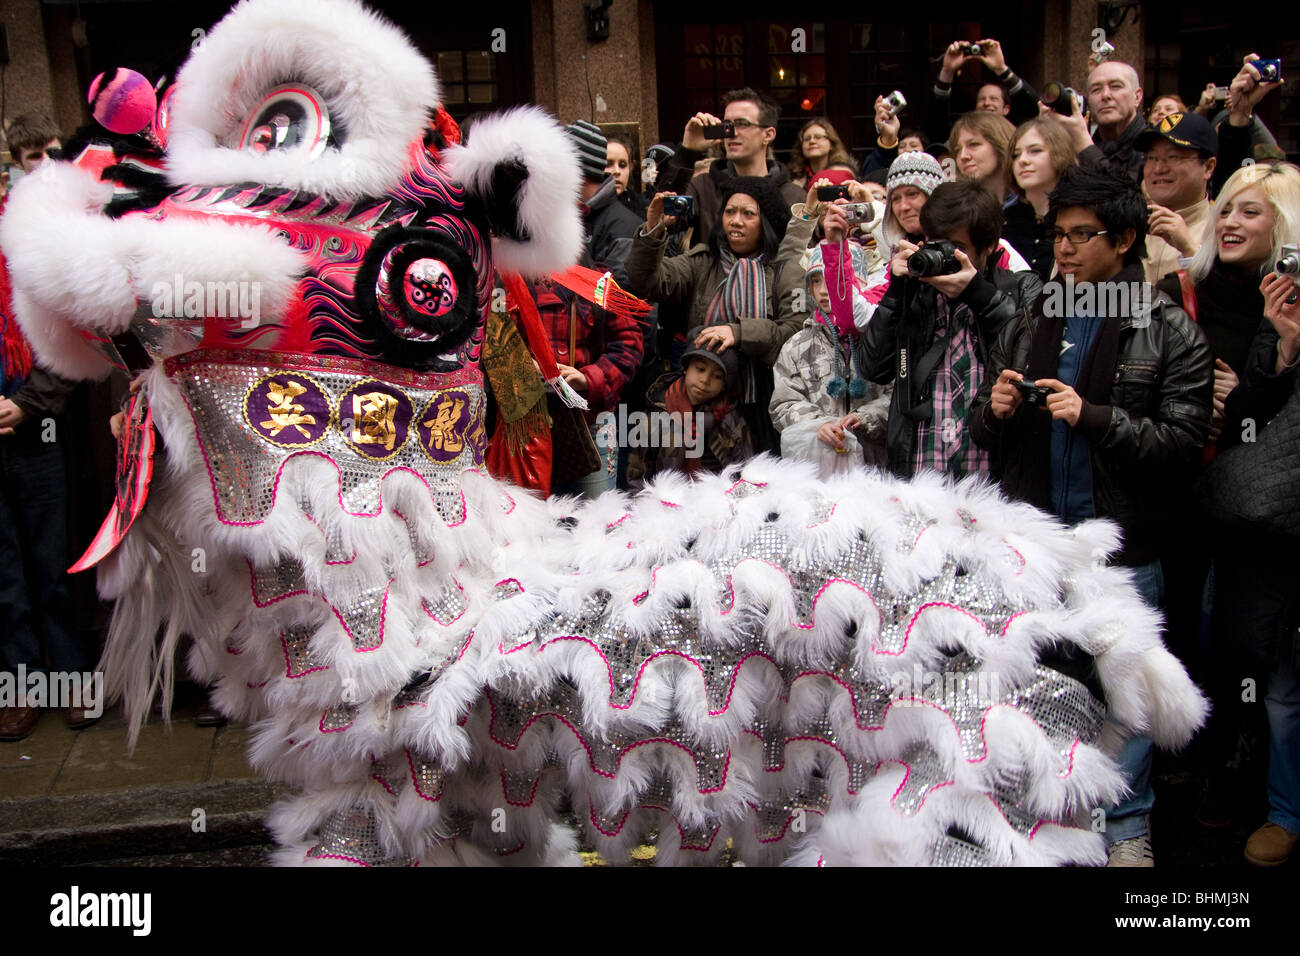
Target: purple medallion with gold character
<point x="375" y="419"/>
<point x="289" y="410"/>
<point x="442" y="425"/>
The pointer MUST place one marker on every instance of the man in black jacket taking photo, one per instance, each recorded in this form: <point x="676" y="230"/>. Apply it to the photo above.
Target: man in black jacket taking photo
<point x="930" y="335"/>
<point x="1125" y="382"/>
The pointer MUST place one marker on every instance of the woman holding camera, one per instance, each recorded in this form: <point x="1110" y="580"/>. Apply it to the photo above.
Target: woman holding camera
<point x="1037" y="155"/>
<point x="1254" y="332"/>
<point x="727" y="285"/>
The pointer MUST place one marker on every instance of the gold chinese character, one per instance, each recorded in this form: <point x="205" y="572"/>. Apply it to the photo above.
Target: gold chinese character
<point x="442" y="427"/>
<point x="372" y="419"/>
<point x="284" y="411"/>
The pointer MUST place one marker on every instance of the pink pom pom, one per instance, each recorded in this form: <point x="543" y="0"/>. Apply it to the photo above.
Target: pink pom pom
<point x="122" y="103"/>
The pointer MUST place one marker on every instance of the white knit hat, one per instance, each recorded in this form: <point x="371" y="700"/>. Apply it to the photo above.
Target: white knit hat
<point x="918" y="169"/>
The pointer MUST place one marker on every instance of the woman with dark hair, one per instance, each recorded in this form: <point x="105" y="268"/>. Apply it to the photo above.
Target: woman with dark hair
<point x="728" y="287"/>
<point x="1037" y="155"/>
<point x="817" y="148"/>
<point x="620" y="163"/>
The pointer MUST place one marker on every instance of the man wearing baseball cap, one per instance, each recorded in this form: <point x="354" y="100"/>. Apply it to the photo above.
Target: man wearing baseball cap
<point x="1180" y="159"/>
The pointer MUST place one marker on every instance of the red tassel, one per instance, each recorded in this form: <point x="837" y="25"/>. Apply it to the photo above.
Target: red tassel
<point x="15" y="352"/>
<point x="539" y="343"/>
<point x="601" y="289"/>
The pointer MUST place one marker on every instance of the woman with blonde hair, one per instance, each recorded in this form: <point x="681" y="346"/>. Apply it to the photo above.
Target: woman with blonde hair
<point x="979" y="141"/>
<point x="1037" y="154"/>
<point x="1254" y="331"/>
<point x="817" y="148"/>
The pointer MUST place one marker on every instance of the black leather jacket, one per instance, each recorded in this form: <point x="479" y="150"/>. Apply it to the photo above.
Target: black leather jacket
<point x="894" y="344"/>
<point x="1146" y="441"/>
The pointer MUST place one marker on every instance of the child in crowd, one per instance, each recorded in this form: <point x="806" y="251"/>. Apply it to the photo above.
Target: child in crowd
<point x="693" y="418"/>
<point x="819" y="394"/>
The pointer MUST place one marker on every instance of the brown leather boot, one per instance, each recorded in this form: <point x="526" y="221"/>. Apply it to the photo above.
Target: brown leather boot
<point x="1270" y="845"/>
<point x="77" y="717"/>
<point x="17" y="722"/>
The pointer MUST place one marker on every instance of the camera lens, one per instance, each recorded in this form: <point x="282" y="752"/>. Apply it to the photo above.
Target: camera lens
<point x="1289" y="264"/>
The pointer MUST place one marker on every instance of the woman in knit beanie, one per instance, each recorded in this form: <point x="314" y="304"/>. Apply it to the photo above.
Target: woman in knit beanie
<point x="912" y="177"/>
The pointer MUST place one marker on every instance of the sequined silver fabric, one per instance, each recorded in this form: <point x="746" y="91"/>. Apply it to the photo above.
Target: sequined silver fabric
<point x="335" y="408"/>
<point x="351" y="835"/>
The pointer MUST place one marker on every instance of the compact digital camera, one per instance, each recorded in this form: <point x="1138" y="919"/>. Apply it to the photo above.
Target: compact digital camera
<point x="1032" y="394"/>
<point x="858" y="213"/>
<point x="896" y="102"/>
<point x="1289" y="264"/>
<point x="679" y="205"/>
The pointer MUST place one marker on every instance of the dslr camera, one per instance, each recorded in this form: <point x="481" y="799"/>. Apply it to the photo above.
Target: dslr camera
<point x="1289" y="264"/>
<point x="936" y="258"/>
<point x="679" y="205"/>
<point x="896" y="102"/>
<point x="1034" y="395"/>
<point x="1061" y="98"/>
<point x="724" y="130"/>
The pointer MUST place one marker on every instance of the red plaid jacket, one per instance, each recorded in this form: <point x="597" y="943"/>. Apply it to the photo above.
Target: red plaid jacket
<point x="616" y="342"/>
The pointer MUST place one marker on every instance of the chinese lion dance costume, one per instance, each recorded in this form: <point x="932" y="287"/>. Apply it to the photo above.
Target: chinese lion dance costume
<point x="447" y="669"/>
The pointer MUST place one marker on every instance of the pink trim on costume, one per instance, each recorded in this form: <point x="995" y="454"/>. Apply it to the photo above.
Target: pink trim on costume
<point x="410" y="762"/>
<point x="233" y="650"/>
<point x="462" y="613"/>
<point x="334" y="730"/>
<point x="821" y="861"/>
<point x="779" y="768"/>
<point x="735" y="674"/>
<point x="681" y="834"/>
<point x="668" y="504"/>
<point x="785" y="826"/>
<point x="1019" y="556"/>
<point x="591" y="759"/>
<point x="380" y="780"/>
<point x="744" y="481"/>
<point x="614" y="524"/>
<point x="514" y="581"/>
<point x="334" y="856"/>
<point x="812" y="623"/>
<point x="326" y="537"/>
<point x="532" y="794"/>
<point x="288" y="665"/>
<point x="383" y="618"/>
<point x="826" y="520"/>
<point x="521" y="845"/>
<point x="908" y="768"/>
<point x="252" y="584"/>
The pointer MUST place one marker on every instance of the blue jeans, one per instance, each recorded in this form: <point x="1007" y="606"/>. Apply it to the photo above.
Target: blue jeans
<point x="1283" y="705"/>
<point x="1127" y="819"/>
<point x="35" y="595"/>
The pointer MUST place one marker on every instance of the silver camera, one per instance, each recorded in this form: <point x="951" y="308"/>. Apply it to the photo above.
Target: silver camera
<point x="896" y="103"/>
<point x="1103" y="51"/>
<point x="858" y="213"/>
<point x="1289" y="264"/>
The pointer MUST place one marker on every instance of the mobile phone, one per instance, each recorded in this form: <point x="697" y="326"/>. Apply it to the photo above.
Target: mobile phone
<point x="832" y="193"/>
<point x="724" y="130"/>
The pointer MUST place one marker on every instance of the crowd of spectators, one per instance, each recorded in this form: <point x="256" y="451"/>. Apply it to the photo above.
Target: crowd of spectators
<point x="1067" y="295"/>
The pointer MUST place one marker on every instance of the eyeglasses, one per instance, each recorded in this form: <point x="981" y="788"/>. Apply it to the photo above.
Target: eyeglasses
<point x="746" y="124"/>
<point x="1077" y="237"/>
<point x="814" y="137"/>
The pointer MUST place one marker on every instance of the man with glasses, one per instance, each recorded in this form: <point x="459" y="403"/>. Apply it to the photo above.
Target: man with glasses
<point x="755" y="116"/>
<point x="1180" y="160"/>
<point x="1128" y="379"/>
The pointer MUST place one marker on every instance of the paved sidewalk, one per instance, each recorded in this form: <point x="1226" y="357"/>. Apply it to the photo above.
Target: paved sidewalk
<point x="69" y="796"/>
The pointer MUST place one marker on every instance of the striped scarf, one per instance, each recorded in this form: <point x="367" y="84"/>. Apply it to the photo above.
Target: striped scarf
<point x="742" y="294"/>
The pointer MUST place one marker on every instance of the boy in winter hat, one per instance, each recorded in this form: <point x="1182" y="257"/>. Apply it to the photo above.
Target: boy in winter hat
<point x="693" y="417"/>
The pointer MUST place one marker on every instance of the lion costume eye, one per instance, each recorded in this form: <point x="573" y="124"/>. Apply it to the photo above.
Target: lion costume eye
<point x="291" y="116"/>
